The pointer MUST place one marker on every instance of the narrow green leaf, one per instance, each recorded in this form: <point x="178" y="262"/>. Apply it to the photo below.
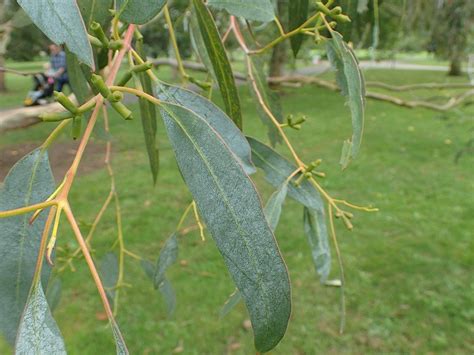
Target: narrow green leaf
<point x="272" y="212"/>
<point x="30" y="181"/>
<point x="96" y="10"/>
<point x="53" y="293"/>
<point x="270" y="98"/>
<point x="274" y="205"/>
<point x="257" y="10"/>
<point x="77" y="79"/>
<point x="198" y="44"/>
<point x="148" y="118"/>
<point x="120" y="346"/>
<point x="165" y="288"/>
<point x="231" y="208"/>
<point x="277" y="170"/>
<point x="109" y="272"/>
<point x="61" y="21"/>
<point x="346" y="154"/>
<point x="168" y="256"/>
<point x="297" y="15"/>
<point x="149" y="269"/>
<point x="38" y="332"/>
<point x="215" y="117"/>
<point x="316" y="231"/>
<point x="351" y="82"/>
<point x="167" y="291"/>
<point x="220" y="62"/>
<point x="139" y="11"/>
<point x="233" y="300"/>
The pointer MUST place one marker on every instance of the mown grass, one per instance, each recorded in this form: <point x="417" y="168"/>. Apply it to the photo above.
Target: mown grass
<point x="408" y="267"/>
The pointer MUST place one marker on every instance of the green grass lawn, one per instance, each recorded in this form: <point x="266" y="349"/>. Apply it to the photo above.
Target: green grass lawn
<point x="410" y="286"/>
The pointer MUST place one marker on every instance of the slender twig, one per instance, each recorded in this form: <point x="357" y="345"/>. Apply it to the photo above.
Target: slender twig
<point x="27" y="209"/>
<point x="287" y="35"/>
<point x="92" y="267"/>
<point x="137" y="93"/>
<point x="341" y="270"/>
<point x="184" y="76"/>
<point x="240" y="39"/>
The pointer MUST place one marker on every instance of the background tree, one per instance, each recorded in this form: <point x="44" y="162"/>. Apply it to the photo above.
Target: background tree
<point x="452" y="31"/>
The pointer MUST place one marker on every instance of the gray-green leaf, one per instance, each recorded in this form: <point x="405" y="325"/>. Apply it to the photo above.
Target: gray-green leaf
<point x="316" y="231"/>
<point x="215" y="117"/>
<point x="77" y="79"/>
<point x="233" y="300"/>
<point x="148" y="118"/>
<point x="94" y="10"/>
<point x="167" y="291"/>
<point x="277" y="170"/>
<point x="109" y="272"/>
<point x="165" y="288"/>
<point x="38" y="332"/>
<point x="139" y="11"/>
<point x="274" y="205"/>
<point x="297" y="15"/>
<point x="351" y="82"/>
<point x="168" y="256"/>
<point x="220" y="62"/>
<point x="257" y="10"/>
<point x="231" y="208"/>
<point x="260" y="89"/>
<point x="198" y="44"/>
<point x="61" y="21"/>
<point x="30" y="181"/>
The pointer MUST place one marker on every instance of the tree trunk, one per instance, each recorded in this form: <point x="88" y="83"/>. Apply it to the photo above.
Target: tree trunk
<point x="455" y="67"/>
<point x="5" y="31"/>
<point x="3" y="86"/>
<point x="278" y="59"/>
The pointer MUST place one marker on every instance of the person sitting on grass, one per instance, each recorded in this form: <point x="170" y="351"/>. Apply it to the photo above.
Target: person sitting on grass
<point x="58" y="66"/>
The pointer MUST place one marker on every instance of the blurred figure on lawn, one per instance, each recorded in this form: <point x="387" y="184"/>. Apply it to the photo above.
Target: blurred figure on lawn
<point x="58" y="66"/>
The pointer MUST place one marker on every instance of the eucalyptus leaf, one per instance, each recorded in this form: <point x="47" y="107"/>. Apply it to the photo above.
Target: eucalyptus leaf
<point x="257" y="10"/>
<point x="297" y="15"/>
<point x="231" y="208"/>
<point x="139" y="11"/>
<point x="30" y="181"/>
<point x="167" y="291"/>
<point x="77" y="79"/>
<point x="109" y="272"/>
<point x="277" y="169"/>
<point x="351" y="82"/>
<point x="316" y="231"/>
<point x="96" y="10"/>
<point x="168" y="256"/>
<point x="148" y="118"/>
<point x="220" y="63"/>
<point x="260" y="90"/>
<point x="38" y="332"/>
<point x="274" y="205"/>
<point x="120" y="346"/>
<point x="61" y="21"/>
<point x="165" y="288"/>
<point x="215" y="117"/>
<point x="198" y="44"/>
<point x="233" y="300"/>
<point x="272" y="212"/>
